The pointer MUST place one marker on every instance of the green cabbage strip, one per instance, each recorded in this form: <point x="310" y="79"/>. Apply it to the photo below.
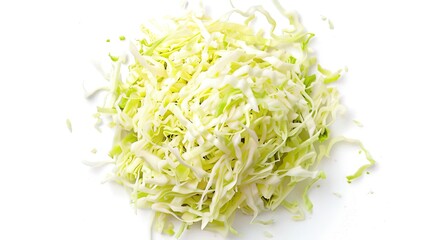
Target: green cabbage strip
<point x="215" y="116"/>
<point x="69" y="125"/>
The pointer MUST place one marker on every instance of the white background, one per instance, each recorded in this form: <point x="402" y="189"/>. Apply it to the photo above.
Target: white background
<point x="46" y="49"/>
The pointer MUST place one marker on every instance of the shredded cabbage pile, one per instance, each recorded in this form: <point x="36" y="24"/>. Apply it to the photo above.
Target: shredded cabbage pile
<point x="215" y="116"/>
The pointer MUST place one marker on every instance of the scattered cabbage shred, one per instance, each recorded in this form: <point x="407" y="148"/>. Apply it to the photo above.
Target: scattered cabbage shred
<point x="215" y="117"/>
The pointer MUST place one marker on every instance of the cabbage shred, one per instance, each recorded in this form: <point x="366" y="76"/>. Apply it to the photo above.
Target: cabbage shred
<point x="215" y="116"/>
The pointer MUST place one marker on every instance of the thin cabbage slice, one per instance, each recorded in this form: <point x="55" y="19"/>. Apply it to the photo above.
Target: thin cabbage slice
<point x="215" y="116"/>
